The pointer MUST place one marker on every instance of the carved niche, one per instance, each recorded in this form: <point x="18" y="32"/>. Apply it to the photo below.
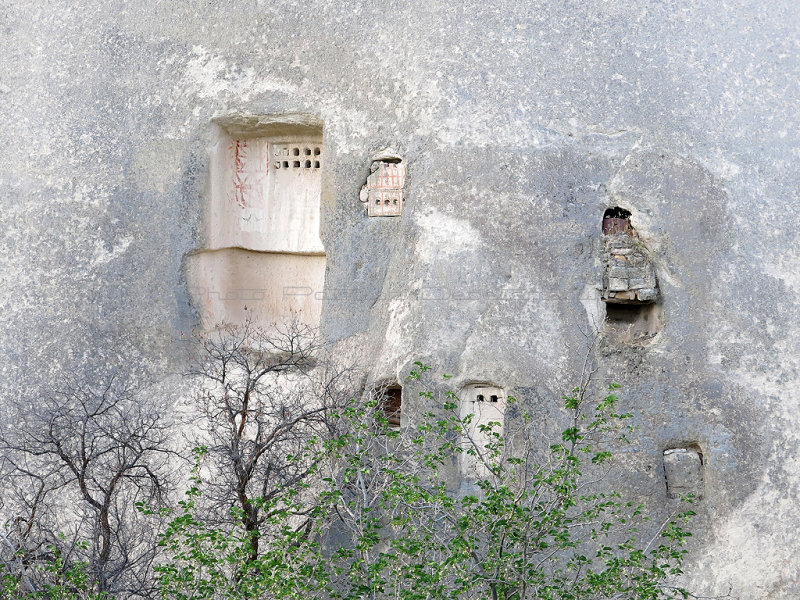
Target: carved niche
<point x="683" y="468"/>
<point x="383" y="191"/>
<point x="484" y="406"/>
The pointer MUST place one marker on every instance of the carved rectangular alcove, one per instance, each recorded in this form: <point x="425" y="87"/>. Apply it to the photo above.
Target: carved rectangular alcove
<point x="266" y="184"/>
<point x="392" y="405"/>
<point x="487" y="405"/>
<point x="388" y="403"/>
<point x="631" y="323"/>
<point x="263" y="257"/>
<point x="683" y="468"/>
<point x="630" y="287"/>
<point x="628" y="272"/>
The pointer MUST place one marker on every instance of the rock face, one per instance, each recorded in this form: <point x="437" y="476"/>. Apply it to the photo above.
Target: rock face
<point x="519" y="124"/>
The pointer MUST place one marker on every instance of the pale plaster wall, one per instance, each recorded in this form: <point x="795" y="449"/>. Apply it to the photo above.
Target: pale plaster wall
<point x="482" y="413"/>
<point x="259" y="206"/>
<point x="234" y="285"/>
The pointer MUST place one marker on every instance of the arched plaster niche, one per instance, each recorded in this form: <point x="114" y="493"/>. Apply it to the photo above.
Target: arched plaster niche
<point x="263" y="257"/>
<point x="487" y="404"/>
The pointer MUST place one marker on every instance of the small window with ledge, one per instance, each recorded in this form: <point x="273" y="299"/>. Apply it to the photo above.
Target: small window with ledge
<point x="483" y="406"/>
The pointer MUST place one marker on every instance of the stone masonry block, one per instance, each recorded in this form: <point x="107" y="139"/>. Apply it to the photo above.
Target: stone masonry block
<point x="637" y="259"/>
<point x="617" y="285"/>
<point x="622" y="296"/>
<point x="628" y="274"/>
<point x="618" y="272"/>
<point x="618" y="241"/>
<point x="636" y="272"/>
<point x="647" y="295"/>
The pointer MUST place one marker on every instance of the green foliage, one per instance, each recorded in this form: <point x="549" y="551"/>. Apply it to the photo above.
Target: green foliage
<point x="215" y="562"/>
<point x="51" y="579"/>
<point x="382" y="517"/>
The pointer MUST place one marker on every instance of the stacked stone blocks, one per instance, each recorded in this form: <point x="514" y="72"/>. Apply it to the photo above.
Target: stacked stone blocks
<point x="629" y="276"/>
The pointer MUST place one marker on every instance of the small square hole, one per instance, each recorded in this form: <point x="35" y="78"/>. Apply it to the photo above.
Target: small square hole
<point x="316" y="151"/>
<point x="308" y="164"/>
<point x="296" y="164"/>
<point x="296" y="152"/>
<point x="307" y="151"/>
<point x="316" y="164"/>
<point x="286" y="164"/>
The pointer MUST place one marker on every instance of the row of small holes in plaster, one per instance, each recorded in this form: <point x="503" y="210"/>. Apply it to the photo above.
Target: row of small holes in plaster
<point x="300" y="157"/>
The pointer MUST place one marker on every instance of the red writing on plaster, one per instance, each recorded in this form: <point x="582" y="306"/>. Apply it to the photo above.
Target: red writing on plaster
<point x="239" y="148"/>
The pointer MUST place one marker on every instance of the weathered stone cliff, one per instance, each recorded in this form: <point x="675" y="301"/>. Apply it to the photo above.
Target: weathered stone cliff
<point x="518" y="124"/>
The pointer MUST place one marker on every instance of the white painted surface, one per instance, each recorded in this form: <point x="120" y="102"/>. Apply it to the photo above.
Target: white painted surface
<point x="260" y="199"/>
<point x="476" y="400"/>
<point x="232" y="285"/>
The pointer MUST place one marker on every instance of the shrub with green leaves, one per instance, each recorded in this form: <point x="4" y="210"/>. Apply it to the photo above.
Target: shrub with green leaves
<point x="49" y="578"/>
<point x="382" y="515"/>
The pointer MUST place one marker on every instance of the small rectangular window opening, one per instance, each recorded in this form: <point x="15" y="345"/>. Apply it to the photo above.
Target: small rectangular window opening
<point x="626" y="313"/>
<point x="627" y="323"/>
<point x="392" y="405"/>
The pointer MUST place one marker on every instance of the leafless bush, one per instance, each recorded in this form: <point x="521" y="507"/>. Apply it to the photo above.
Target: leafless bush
<point x="77" y="460"/>
<point x="265" y="397"/>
